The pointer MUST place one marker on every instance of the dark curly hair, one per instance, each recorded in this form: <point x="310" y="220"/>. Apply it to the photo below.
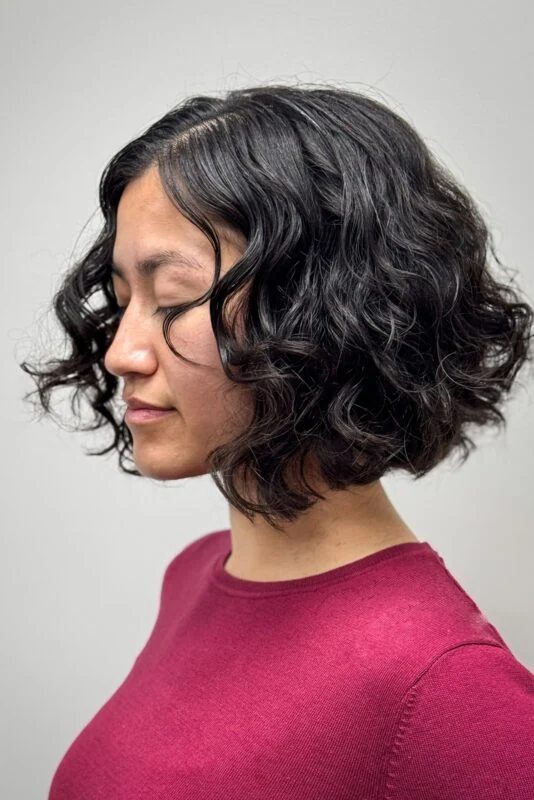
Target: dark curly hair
<point x="374" y="332"/>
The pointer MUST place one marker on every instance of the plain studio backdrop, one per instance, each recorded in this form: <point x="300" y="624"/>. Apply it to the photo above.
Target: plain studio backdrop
<point x="84" y="546"/>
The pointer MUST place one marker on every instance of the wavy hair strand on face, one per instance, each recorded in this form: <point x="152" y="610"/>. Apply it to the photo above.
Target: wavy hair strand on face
<point x="375" y="329"/>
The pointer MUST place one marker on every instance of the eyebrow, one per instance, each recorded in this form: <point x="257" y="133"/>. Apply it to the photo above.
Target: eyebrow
<point x="146" y="267"/>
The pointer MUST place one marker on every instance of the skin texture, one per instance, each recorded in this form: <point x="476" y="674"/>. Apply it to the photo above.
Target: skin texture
<point x="208" y="408"/>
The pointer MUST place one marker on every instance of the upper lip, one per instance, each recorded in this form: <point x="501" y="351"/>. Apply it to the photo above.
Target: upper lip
<point x="136" y="402"/>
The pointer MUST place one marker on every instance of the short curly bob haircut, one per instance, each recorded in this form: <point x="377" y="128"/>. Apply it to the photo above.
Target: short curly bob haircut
<point x="373" y="330"/>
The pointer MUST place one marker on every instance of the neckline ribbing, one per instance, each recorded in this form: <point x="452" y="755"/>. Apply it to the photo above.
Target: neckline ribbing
<point x="231" y="584"/>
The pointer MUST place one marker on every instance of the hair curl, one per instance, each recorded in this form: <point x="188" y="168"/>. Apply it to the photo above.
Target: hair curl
<point x="373" y="330"/>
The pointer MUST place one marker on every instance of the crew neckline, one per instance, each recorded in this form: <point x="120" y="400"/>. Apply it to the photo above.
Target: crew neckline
<point x="234" y="585"/>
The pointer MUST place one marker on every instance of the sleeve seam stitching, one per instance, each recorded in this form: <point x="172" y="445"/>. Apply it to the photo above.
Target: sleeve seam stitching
<point x="407" y="704"/>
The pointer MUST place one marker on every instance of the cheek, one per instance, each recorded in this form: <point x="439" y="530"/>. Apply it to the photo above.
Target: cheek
<point x="206" y="398"/>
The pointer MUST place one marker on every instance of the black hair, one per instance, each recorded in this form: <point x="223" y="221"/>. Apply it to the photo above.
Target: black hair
<point x="374" y="332"/>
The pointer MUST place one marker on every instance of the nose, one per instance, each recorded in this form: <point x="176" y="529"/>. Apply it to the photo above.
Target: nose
<point x="132" y="348"/>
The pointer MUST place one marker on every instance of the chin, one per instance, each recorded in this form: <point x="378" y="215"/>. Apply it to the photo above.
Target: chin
<point x="160" y="468"/>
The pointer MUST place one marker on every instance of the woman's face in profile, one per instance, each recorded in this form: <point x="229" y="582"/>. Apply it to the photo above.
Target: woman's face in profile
<point x="206" y="406"/>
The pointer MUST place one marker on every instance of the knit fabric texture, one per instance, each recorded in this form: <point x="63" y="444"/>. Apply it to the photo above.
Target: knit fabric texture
<point x="378" y="680"/>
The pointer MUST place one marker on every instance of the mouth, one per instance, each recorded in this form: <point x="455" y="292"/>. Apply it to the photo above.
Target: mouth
<point x="141" y="415"/>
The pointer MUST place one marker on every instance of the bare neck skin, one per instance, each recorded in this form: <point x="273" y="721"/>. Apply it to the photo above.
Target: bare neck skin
<point x="344" y="527"/>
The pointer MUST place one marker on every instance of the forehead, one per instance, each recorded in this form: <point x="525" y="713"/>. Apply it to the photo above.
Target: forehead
<point x="148" y="221"/>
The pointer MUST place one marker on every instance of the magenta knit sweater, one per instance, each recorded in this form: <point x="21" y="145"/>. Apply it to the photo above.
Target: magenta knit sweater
<point x="377" y="680"/>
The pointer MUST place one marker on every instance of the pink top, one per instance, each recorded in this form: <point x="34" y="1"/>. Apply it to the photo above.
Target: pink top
<point x="377" y="680"/>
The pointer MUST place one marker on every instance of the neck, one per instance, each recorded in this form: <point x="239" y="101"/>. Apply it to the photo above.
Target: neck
<point x="346" y="526"/>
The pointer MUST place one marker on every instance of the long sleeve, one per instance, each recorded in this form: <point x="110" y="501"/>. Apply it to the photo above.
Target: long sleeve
<point x="466" y="730"/>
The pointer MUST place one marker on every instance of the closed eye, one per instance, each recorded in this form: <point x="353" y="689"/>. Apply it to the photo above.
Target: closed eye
<point x="162" y="311"/>
<point x="165" y="311"/>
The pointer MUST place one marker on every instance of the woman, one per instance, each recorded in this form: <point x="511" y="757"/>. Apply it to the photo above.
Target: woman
<point x="291" y="294"/>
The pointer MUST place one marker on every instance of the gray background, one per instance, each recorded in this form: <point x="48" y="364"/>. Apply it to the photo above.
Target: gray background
<point x="84" y="547"/>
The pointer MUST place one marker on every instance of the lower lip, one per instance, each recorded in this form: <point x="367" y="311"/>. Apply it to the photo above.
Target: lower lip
<point x="146" y="414"/>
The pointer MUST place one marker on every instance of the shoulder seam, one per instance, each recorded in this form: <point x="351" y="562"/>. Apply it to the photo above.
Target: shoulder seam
<point x="407" y="703"/>
<point x="466" y="643"/>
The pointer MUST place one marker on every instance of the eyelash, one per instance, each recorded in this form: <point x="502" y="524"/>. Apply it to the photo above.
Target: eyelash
<point x="162" y="311"/>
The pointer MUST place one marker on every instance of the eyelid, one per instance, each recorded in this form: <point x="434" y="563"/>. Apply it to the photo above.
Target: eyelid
<point x="160" y="310"/>
<point x="165" y="311"/>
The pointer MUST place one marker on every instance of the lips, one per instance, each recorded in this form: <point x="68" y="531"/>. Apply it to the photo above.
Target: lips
<point x="136" y="403"/>
<point x="134" y="415"/>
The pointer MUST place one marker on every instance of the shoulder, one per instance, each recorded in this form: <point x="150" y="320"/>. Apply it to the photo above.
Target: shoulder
<point x="215" y="539"/>
<point x="466" y="729"/>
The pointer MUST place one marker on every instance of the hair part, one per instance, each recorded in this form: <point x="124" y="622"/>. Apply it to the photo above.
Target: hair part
<point x="373" y="332"/>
